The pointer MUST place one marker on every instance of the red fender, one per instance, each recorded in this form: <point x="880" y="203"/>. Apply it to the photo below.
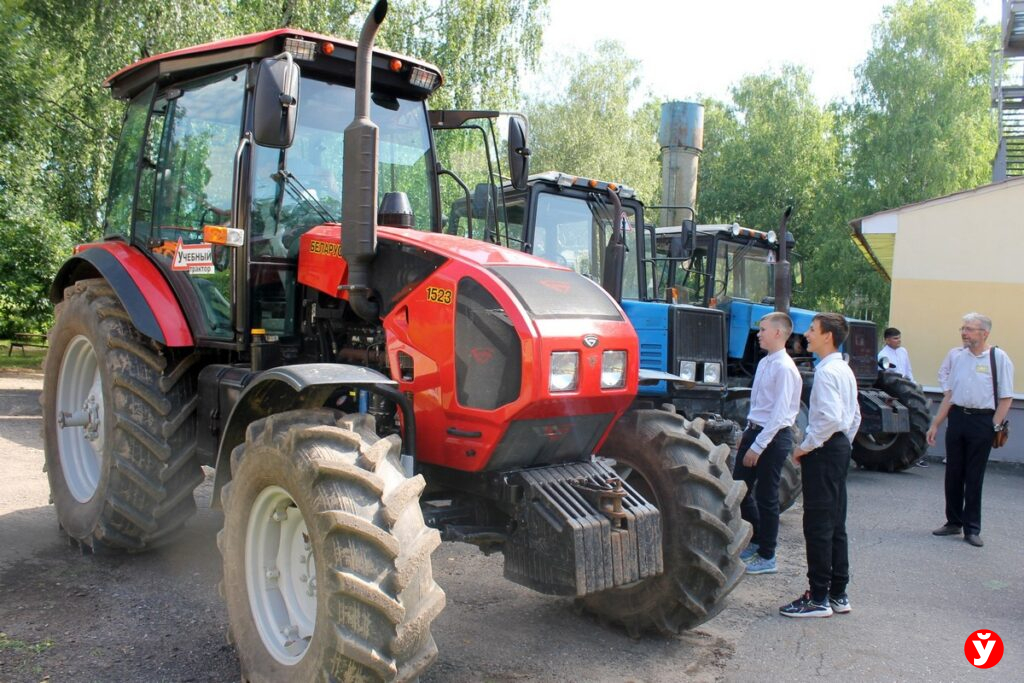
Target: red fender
<point x="140" y="286"/>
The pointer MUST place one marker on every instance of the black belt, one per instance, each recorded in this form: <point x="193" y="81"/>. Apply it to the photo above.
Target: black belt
<point x="754" y="427"/>
<point x="975" y="411"/>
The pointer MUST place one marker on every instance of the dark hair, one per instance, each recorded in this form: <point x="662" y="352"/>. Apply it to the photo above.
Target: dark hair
<point x="891" y="332"/>
<point x="834" y="323"/>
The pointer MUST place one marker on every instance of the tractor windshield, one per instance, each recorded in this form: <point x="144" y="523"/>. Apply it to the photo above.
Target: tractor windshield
<point x="299" y="187"/>
<point x="744" y="271"/>
<point x="574" y="231"/>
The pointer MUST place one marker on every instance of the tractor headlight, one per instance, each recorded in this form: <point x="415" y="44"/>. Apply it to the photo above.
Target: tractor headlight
<point x="565" y="371"/>
<point x="613" y="369"/>
<point x="688" y="370"/>
<point x="712" y="373"/>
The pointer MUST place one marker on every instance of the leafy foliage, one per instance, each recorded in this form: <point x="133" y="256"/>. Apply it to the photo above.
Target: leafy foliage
<point x="921" y="125"/>
<point x="591" y="130"/>
<point x="57" y="138"/>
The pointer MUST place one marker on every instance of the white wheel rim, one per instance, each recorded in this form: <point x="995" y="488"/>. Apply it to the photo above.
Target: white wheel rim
<point x="280" y="575"/>
<point x="79" y="415"/>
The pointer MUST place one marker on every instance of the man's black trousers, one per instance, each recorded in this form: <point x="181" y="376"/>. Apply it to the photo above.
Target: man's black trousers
<point x="968" y="444"/>
<point x="823" y="473"/>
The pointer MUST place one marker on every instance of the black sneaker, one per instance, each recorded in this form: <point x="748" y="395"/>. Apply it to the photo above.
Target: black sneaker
<point x="805" y="606"/>
<point x="840" y="604"/>
<point x="922" y="463"/>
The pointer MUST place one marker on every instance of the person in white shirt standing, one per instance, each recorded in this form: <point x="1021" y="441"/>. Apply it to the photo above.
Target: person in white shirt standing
<point x="767" y="440"/>
<point x="824" y="458"/>
<point x="893" y="356"/>
<point x="970" y="403"/>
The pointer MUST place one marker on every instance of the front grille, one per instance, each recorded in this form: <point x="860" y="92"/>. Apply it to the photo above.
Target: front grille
<point x="698" y="334"/>
<point x="861" y="346"/>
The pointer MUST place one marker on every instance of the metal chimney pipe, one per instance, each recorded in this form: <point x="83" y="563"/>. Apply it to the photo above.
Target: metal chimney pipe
<point x="681" y="136"/>
<point x="359" y="199"/>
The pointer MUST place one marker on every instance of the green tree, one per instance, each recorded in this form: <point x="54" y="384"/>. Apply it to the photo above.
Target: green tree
<point x="774" y="147"/>
<point x="591" y="129"/>
<point x="921" y="124"/>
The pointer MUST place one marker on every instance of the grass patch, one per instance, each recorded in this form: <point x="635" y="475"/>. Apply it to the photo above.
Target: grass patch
<point x="29" y="358"/>
<point x="11" y="645"/>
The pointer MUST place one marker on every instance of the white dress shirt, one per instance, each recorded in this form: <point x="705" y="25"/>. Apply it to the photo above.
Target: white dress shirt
<point x="833" y="406"/>
<point x="947" y="365"/>
<point x="970" y="379"/>
<point x="775" y="397"/>
<point x="899" y="358"/>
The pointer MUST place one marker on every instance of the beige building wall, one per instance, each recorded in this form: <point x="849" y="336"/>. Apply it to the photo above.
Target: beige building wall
<point x="953" y="255"/>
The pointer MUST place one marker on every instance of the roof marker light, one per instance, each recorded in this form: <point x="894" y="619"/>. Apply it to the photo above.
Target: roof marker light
<point x="422" y="78"/>
<point x="300" y="49"/>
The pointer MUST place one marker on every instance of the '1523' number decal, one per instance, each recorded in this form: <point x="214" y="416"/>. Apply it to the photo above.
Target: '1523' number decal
<point x="439" y="296"/>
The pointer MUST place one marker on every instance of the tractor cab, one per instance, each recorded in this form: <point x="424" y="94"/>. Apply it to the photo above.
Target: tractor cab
<point x="220" y="204"/>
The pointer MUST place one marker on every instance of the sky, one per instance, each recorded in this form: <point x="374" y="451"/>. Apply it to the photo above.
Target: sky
<point x="693" y="48"/>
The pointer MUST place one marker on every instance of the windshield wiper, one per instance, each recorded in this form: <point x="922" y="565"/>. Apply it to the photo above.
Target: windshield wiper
<point x="297" y="191"/>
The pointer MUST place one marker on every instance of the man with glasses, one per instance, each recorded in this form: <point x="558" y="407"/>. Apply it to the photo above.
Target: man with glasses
<point x="974" y="414"/>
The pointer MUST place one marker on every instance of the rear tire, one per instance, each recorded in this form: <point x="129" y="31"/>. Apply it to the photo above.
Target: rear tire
<point x="895" y="452"/>
<point x="123" y="477"/>
<point x="327" y="572"/>
<point x="675" y="466"/>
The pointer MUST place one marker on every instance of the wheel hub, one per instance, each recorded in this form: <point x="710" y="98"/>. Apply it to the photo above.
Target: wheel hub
<point x="79" y="413"/>
<point x="280" y="573"/>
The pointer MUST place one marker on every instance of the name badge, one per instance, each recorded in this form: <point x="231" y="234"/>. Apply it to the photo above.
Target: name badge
<point x="981" y="368"/>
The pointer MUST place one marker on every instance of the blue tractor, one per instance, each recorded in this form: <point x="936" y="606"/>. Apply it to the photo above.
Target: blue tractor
<point x="745" y="274"/>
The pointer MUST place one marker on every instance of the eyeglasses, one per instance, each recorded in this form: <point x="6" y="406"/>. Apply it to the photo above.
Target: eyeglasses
<point x="972" y="329"/>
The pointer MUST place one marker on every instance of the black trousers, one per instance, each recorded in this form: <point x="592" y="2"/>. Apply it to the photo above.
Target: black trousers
<point x="823" y="472"/>
<point x="968" y="444"/>
<point x="760" y="506"/>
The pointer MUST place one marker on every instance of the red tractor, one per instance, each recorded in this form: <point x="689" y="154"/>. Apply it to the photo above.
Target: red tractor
<point x="262" y="303"/>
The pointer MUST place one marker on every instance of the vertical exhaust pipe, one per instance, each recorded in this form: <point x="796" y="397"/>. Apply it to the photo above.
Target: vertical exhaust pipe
<point x="359" y="201"/>
<point x="783" y="281"/>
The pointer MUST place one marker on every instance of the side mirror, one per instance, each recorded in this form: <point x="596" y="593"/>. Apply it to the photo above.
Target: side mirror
<point x="276" y="102"/>
<point x="682" y="244"/>
<point x="518" y="153"/>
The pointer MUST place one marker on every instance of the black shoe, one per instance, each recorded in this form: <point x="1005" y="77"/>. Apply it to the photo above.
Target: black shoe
<point x="948" y="530"/>
<point x="922" y="463"/>
<point x="974" y="539"/>
<point x="805" y="606"/>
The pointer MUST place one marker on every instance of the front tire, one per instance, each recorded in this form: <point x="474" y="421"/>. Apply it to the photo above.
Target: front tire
<point x="327" y="572"/>
<point x="895" y="452"/>
<point x="668" y="460"/>
<point x="119" y="426"/>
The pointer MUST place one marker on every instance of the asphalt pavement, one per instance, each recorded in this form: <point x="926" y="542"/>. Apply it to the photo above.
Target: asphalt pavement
<point x="916" y="598"/>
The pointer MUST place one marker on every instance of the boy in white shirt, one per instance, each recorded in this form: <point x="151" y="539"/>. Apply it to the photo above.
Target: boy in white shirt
<point x="824" y="458"/>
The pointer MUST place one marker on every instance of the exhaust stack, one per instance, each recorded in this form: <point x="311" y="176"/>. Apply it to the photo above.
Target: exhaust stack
<point x="681" y="135"/>
<point x="783" y="281"/>
<point x="359" y="202"/>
